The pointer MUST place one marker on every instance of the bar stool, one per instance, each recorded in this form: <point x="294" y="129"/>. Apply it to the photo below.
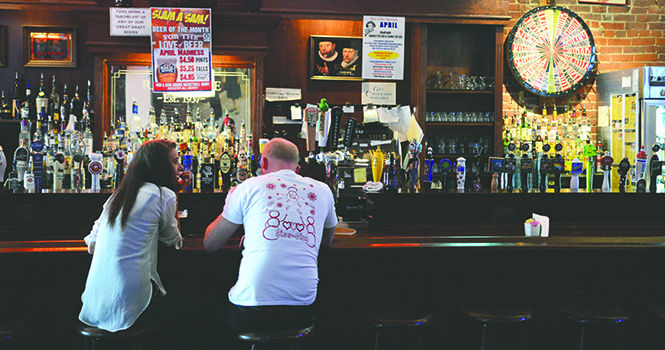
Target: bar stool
<point x="586" y="316"/>
<point x="292" y="337"/>
<point x="398" y="320"/>
<point x="131" y="338"/>
<point x="9" y="329"/>
<point x="500" y="315"/>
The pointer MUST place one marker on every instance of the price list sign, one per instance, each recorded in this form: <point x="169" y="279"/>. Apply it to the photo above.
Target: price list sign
<point x="181" y="49"/>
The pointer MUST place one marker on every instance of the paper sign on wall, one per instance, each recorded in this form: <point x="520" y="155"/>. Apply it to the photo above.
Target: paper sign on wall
<point x="181" y="49"/>
<point x="379" y="93"/>
<point x="129" y="21"/>
<point x="282" y="94"/>
<point x="383" y="47"/>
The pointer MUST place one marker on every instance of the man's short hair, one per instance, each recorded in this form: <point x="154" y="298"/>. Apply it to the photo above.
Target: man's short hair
<point x="281" y="149"/>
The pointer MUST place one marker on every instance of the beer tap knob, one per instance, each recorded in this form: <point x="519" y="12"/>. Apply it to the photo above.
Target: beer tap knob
<point x="655" y="169"/>
<point x="429" y="168"/>
<point x="526" y="166"/>
<point x="545" y="168"/>
<point x="624" y="167"/>
<point x="495" y="166"/>
<point x="95" y="167"/>
<point x="510" y="166"/>
<point x="590" y="154"/>
<point x="576" y="168"/>
<point x="461" y="174"/>
<point x="606" y="163"/>
<point x="640" y="170"/>
<point x="445" y="166"/>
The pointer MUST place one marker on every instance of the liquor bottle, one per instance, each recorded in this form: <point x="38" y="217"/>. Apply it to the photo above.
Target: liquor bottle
<point x="5" y="108"/>
<point x="76" y="105"/>
<point x="16" y="98"/>
<point x="390" y="174"/>
<point x="86" y="131"/>
<point x="29" y="179"/>
<point x="90" y="105"/>
<point x="54" y="105"/>
<point x="41" y="100"/>
<point x="28" y="104"/>
<point x="26" y="126"/>
<point x="64" y="108"/>
<point x="134" y="123"/>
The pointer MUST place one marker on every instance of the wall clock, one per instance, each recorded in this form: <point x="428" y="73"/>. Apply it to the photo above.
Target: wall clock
<point x="551" y="51"/>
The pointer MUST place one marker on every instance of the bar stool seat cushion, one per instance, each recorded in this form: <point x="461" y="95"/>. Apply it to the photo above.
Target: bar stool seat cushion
<point x="277" y="336"/>
<point x="131" y="333"/>
<point x="499" y="314"/>
<point x="398" y="319"/>
<point x="596" y="313"/>
<point x="8" y="329"/>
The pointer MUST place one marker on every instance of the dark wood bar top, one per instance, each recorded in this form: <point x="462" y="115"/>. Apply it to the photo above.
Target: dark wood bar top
<point x="391" y="242"/>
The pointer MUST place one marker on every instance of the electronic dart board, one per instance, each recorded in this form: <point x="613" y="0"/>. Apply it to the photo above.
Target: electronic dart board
<point x="551" y="51"/>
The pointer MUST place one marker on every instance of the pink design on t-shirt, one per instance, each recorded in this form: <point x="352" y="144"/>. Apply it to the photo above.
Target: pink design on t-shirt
<point x="283" y="185"/>
<point x="311" y="196"/>
<point x="271" y="229"/>
<point x="270" y="186"/>
<point x="289" y="229"/>
<point x="293" y="193"/>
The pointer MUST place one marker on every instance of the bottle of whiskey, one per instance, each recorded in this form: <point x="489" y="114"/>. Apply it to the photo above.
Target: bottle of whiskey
<point x="76" y="104"/>
<point x="54" y="107"/>
<point x="16" y="99"/>
<point x="64" y="108"/>
<point x="41" y="100"/>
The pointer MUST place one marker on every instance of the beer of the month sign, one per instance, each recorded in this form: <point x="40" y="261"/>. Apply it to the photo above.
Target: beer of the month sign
<point x="551" y="51"/>
<point x="181" y="49"/>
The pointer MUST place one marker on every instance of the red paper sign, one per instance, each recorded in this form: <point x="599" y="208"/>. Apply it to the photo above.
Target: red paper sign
<point x="181" y="49"/>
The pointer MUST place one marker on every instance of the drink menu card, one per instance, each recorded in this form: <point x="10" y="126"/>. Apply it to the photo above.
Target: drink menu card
<point x="181" y="49"/>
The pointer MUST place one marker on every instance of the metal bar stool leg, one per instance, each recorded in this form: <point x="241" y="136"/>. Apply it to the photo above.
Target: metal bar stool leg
<point x="376" y="341"/>
<point x="482" y="338"/>
<point x="420" y="339"/>
<point x="582" y="338"/>
<point x="525" y="343"/>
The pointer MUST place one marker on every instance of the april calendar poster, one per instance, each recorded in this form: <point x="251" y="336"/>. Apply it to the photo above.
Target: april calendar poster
<point x="181" y="49"/>
<point x="383" y="47"/>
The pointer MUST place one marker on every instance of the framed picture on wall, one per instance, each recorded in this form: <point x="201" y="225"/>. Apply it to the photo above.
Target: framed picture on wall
<point x="604" y="2"/>
<point x="335" y="58"/>
<point x="49" y="46"/>
<point x="3" y="46"/>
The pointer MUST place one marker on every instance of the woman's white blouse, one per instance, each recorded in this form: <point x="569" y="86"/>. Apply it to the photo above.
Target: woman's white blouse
<point x="118" y="287"/>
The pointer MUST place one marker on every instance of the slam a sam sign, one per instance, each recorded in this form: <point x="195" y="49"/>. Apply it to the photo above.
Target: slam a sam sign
<point x="181" y="49"/>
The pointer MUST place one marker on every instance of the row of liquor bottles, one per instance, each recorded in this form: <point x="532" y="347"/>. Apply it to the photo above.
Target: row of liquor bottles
<point x="526" y="132"/>
<point x="209" y="149"/>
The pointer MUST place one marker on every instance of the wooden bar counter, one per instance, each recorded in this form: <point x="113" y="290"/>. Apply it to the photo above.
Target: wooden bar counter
<point x="439" y="264"/>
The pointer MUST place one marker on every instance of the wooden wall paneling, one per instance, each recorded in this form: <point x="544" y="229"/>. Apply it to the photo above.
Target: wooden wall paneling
<point x="391" y="8"/>
<point x="498" y="91"/>
<point x="418" y="38"/>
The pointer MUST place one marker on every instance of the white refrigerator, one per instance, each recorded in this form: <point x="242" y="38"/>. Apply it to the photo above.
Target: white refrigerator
<point x="631" y="115"/>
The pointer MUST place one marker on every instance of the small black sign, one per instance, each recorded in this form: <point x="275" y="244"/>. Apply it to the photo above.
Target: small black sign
<point x="208" y="177"/>
<point x="496" y="165"/>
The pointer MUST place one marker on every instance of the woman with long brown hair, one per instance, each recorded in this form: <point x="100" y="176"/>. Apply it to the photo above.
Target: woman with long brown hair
<point x="123" y="278"/>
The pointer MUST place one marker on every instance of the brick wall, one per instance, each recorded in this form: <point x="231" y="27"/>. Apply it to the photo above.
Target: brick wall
<point x="626" y="37"/>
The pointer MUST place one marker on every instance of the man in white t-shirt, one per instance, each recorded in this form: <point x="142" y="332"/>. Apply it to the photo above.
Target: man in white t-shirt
<point x="287" y="218"/>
